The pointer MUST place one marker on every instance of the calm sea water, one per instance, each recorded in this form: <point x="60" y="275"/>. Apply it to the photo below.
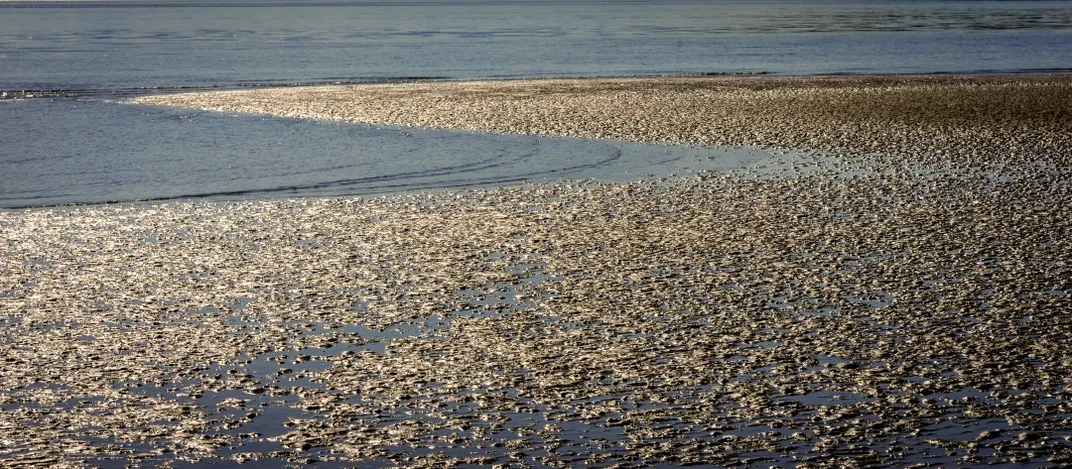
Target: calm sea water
<point x="60" y="62"/>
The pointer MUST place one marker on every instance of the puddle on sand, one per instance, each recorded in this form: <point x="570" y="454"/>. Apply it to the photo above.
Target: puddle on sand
<point x="254" y="402"/>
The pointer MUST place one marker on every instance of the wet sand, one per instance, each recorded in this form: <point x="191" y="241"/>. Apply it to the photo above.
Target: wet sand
<point x="938" y="117"/>
<point x="870" y="310"/>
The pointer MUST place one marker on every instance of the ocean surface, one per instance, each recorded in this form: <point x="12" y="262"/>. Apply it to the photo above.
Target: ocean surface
<point x="64" y="65"/>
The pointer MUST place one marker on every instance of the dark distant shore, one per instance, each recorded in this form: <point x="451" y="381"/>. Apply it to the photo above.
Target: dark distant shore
<point x="901" y="299"/>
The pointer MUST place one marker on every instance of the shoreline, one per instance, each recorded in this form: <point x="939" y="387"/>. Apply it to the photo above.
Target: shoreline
<point x="1020" y="115"/>
<point x="117" y="93"/>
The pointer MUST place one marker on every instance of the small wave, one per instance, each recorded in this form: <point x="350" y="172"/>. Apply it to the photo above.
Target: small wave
<point x="341" y="81"/>
<point x="388" y="183"/>
<point x="97" y="92"/>
<point x="147" y="90"/>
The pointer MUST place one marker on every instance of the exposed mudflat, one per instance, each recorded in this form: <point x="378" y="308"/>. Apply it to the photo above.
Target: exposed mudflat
<point x="890" y="310"/>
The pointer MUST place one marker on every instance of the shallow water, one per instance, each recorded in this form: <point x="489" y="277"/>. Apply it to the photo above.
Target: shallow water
<point x="82" y="151"/>
<point x="95" y="46"/>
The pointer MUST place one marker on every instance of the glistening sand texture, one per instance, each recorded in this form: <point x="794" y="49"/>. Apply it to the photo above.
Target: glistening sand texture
<point x="811" y="320"/>
<point x="919" y="116"/>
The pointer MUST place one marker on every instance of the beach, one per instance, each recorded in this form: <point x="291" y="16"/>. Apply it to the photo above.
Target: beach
<point x="897" y="296"/>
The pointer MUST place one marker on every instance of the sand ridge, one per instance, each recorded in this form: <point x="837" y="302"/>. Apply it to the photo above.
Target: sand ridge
<point x="951" y="117"/>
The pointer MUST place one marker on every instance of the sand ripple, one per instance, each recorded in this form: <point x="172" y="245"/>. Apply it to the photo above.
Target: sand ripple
<point x="893" y="318"/>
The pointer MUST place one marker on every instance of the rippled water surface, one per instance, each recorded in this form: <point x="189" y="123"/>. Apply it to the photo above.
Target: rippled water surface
<point x="76" y="151"/>
<point x="93" y="45"/>
<point x="89" y="51"/>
